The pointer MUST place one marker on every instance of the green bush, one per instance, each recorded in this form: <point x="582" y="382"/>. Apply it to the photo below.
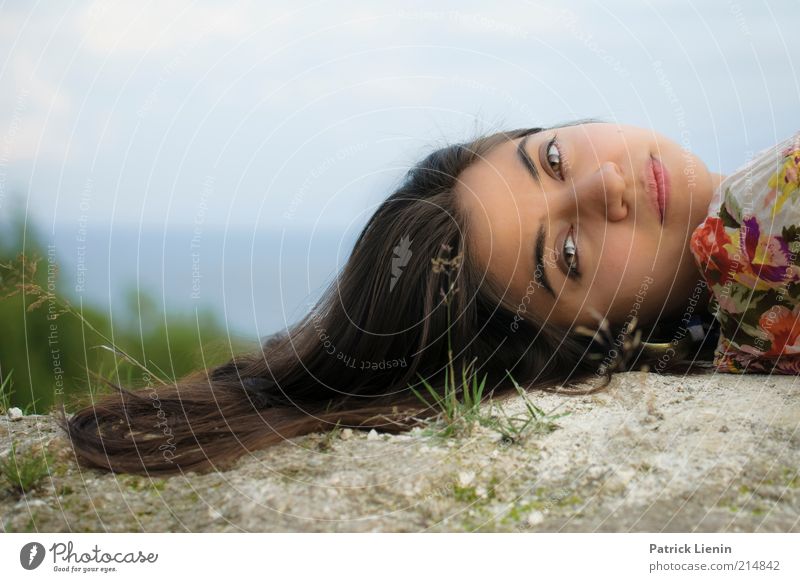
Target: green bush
<point x="52" y="346"/>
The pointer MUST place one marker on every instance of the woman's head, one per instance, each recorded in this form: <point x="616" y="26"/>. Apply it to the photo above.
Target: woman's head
<point x="393" y="319"/>
<point x="582" y="199"/>
<point x="387" y="303"/>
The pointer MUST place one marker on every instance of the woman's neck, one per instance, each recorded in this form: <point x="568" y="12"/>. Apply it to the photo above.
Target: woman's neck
<point x="705" y="196"/>
<point x="716" y="180"/>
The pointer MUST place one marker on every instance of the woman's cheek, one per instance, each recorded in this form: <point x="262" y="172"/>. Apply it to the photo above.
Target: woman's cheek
<point x="615" y="261"/>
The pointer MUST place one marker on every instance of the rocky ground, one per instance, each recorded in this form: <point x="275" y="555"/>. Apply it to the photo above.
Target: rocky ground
<point x="715" y="453"/>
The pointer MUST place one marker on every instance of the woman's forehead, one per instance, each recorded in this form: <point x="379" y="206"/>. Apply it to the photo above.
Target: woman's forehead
<point x="499" y="214"/>
<point x="496" y="176"/>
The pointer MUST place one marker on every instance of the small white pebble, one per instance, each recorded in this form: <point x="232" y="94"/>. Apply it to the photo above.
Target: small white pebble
<point x="14" y="413"/>
<point x="372" y="435"/>
<point x="347" y="434"/>
<point x="481" y="491"/>
<point x="626" y="475"/>
<point x="465" y="478"/>
<point x="595" y="471"/>
<point x="535" y="518"/>
<point x="29" y="503"/>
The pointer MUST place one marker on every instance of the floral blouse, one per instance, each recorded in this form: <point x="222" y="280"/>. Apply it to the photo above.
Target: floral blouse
<point x="748" y="250"/>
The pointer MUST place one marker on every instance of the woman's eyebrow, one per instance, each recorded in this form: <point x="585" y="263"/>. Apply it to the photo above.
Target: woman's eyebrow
<point x="539" y="273"/>
<point x="526" y="160"/>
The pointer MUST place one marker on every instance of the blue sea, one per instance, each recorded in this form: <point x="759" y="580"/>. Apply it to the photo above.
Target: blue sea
<point x="256" y="281"/>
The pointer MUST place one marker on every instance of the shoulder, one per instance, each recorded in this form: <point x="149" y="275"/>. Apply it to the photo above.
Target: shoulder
<point x="756" y="187"/>
<point x="747" y="250"/>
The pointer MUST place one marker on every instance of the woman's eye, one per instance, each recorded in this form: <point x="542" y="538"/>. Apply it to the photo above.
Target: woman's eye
<point x="571" y="254"/>
<point x="554" y="158"/>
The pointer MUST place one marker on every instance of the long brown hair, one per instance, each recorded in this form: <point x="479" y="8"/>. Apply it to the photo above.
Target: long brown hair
<point x="379" y="328"/>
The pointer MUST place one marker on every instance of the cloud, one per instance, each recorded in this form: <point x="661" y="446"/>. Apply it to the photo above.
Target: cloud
<point x="36" y="111"/>
<point x="131" y="27"/>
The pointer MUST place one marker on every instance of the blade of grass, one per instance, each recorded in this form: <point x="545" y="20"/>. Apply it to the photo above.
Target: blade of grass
<point x="130" y="359"/>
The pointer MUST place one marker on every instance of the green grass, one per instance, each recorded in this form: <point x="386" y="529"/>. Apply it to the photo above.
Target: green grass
<point x="5" y="394"/>
<point x="23" y="472"/>
<point x="469" y="494"/>
<point x="459" y="408"/>
<point x="327" y="443"/>
<point x="791" y="478"/>
<point x="6" y="397"/>
<point x="322" y="442"/>
<point x="458" y="414"/>
<point x="155" y="347"/>
<point x="516" y="429"/>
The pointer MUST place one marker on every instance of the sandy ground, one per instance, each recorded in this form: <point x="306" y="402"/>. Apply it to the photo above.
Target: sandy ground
<point x="713" y="453"/>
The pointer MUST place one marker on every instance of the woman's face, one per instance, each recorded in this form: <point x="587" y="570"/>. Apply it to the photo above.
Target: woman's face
<point x="588" y="232"/>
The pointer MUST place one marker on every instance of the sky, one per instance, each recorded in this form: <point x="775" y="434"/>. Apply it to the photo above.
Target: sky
<point x="303" y="115"/>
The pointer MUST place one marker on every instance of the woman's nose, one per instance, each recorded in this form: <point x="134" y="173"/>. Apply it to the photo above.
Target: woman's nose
<point x="603" y="191"/>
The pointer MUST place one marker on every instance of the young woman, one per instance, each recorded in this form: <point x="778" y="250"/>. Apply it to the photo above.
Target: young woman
<point x="506" y="249"/>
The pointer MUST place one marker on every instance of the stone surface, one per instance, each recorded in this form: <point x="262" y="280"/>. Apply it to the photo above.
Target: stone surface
<point x="651" y="453"/>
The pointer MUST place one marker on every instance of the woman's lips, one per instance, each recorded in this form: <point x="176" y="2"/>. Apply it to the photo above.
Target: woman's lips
<point x="657" y="181"/>
<point x="662" y="182"/>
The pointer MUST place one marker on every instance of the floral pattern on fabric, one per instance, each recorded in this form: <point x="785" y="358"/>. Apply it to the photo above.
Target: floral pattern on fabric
<point x="748" y="249"/>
